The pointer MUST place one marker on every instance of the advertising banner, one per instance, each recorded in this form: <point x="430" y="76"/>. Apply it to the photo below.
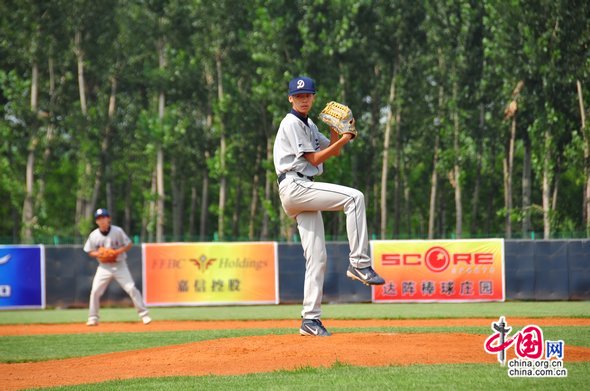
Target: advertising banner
<point x="210" y="273"/>
<point x="22" y="276"/>
<point x="439" y="270"/>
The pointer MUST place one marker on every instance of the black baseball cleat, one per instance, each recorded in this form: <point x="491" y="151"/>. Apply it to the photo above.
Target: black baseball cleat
<point x="366" y="275"/>
<point x="314" y="328"/>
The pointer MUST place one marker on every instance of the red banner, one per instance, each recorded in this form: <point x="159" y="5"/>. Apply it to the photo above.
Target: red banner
<point x="439" y="270"/>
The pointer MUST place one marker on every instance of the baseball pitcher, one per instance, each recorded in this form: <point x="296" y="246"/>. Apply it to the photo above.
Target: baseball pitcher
<point x="299" y="153"/>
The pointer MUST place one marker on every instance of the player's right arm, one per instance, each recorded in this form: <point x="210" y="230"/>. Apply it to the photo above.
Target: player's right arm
<point x="90" y="248"/>
<point x="336" y="144"/>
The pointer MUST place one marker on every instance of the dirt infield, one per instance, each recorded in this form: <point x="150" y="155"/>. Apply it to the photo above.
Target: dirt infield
<point x="233" y="356"/>
<point x="129" y="327"/>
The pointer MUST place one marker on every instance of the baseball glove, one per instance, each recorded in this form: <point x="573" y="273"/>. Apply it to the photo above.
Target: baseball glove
<point x="107" y="255"/>
<point x="339" y="117"/>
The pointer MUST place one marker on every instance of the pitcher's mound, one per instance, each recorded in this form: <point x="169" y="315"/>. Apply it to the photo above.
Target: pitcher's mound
<point x="231" y="356"/>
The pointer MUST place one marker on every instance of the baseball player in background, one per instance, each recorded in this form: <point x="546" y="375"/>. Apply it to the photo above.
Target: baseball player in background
<point x="109" y="245"/>
<point x="299" y="153"/>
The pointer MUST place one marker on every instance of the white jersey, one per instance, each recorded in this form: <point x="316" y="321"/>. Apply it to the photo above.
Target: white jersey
<point x="294" y="138"/>
<point x="116" y="238"/>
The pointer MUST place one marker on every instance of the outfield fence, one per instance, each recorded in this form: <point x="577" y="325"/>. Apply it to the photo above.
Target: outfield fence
<point x="534" y="270"/>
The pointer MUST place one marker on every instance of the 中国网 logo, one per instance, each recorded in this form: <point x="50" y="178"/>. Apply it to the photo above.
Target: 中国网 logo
<point x="535" y="356"/>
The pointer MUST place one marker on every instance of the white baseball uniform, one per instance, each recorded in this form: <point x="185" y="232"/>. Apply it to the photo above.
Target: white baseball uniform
<point x="106" y="272"/>
<point x="304" y="199"/>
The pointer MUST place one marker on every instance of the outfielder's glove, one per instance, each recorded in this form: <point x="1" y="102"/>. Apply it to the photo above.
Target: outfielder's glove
<point x="107" y="255"/>
<point x="339" y="117"/>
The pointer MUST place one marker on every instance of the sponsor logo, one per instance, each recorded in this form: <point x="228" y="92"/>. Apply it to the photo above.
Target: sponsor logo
<point x="203" y="262"/>
<point x="364" y="276"/>
<point x="311" y="329"/>
<point x="5" y="259"/>
<point x="437" y="259"/>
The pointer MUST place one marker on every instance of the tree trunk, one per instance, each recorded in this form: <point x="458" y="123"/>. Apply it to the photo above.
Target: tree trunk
<point x="80" y="61"/>
<point x="442" y="221"/>
<point x="107" y="143"/>
<point x="235" y="221"/>
<point x="83" y="212"/>
<point x="176" y="202"/>
<point x="399" y="173"/>
<point x="268" y="180"/>
<point x="15" y="226"/>
<point x="547" y="188"/>
<point x="490" y="210"/>
<point x="456" y="166"/>
<point x="254" y="194"/>
<point x="204" y="202"/>
<point x="204" y="209"/>
<point x="408" y="207"/>
<point x="586" y="136"/>
<point x="433" y="186"/>
<point x="128" y="204"/>
<point x="526" y="187"/>
<point x="50" y="134"/>
<point x="556" y="184"/>
<point x="160" y="194"/>
<point x="181" y="208"/>
<point x="192" y="212"/>
<point x="160" y="152"/>
<point x="152" y="208"/>
<point x="508" y="164"/>
<point x="28" y="213"/>
<point x="34" y="88"/>
<point x="91" y="203"/>
<point x="435" y="157"/>
<point x="222" y="152"/>
<point x="109" y="189"/>
<point x="374" y="191"/>
<point x="478" y="162"/>
<point x="435" y="154"/>
<point x="371" y="188"/>
<point x="385" y="157"/>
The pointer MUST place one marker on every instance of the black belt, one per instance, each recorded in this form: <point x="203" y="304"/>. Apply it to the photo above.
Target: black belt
<point x="284" y="175"/>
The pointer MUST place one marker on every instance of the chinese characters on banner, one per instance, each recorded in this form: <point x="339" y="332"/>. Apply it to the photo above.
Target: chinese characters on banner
<point x="210" y="273"/>
<point x="439" y="270"/>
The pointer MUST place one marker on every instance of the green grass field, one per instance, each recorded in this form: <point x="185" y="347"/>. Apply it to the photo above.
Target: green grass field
<point x="575" y="309"/>
<point x="15" y="349"/>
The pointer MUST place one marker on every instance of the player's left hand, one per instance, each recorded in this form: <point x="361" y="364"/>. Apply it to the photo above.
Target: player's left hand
<point x="107" y="255"/>
<point x="339" y="118"/>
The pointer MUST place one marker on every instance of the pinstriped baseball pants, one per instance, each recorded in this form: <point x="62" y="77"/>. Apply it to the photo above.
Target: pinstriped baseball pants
<point x="304" y="200"/>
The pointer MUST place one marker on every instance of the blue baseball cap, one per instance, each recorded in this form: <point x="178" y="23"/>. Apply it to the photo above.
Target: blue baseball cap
<point x="101" y="212"/>
<point x="301" y="85"/>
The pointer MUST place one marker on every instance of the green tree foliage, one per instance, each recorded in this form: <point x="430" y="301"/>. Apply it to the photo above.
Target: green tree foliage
<point x="437" y="77"/>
